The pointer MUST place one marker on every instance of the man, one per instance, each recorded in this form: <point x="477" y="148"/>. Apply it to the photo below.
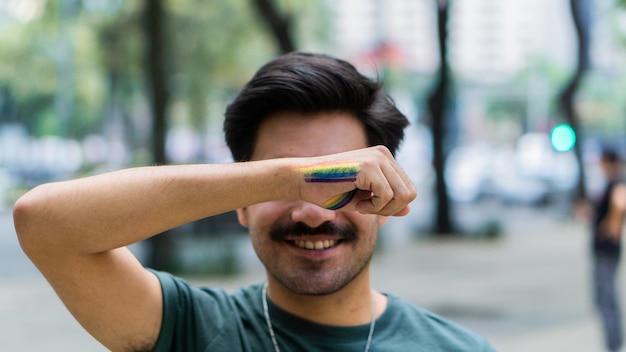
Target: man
<point x="608" y="222"/>
<point x="314" y="179"/>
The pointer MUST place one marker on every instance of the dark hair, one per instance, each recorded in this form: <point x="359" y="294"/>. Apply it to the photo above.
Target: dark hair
<point x="308" y="84"/>
<point x="610" y="156"/>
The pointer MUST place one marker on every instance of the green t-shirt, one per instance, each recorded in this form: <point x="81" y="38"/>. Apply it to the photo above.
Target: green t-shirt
<point x="208" y="319"/>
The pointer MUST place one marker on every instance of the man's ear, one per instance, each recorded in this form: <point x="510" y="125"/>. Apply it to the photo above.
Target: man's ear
<point x="242" y="216"/>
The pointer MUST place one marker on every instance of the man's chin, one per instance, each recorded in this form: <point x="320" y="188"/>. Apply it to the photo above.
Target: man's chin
<point x="313" y="287"/>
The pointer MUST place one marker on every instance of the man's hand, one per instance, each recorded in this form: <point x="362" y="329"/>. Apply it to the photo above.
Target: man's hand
<point x="366" y="180"/>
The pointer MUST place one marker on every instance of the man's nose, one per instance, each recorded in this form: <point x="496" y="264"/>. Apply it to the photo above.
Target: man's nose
<point x="311" y="214"/>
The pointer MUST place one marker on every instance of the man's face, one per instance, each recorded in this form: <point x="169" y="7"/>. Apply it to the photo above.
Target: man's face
<point x="282" y="231"/>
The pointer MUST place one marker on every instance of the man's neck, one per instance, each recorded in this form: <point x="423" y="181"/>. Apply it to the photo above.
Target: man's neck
<point x="350" y="306"/>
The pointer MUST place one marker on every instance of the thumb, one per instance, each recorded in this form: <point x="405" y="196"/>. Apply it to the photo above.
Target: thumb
<point x="404" y="211"/>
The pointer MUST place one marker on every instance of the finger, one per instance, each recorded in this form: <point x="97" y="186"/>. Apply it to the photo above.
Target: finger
<point x="403" y="190"/>
<point x="380" y="193"/>
<point x="389" y="191"/>
<point x="404" y="211"/>
<point x="393" y="208"/>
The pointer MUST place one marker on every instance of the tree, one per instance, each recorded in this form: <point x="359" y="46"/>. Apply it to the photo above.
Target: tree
<point x="181" y="58"/>
<point x="156" y="66"/>
<point x="437" y="103"/>
<point x="122" y="50"/>
<point x="578" y="8"/>
<point x="160" y="66"/>
<point x="279" y="25"/>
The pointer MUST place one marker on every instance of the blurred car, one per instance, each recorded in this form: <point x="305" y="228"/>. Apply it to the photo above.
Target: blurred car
<point x="530" y="172"/>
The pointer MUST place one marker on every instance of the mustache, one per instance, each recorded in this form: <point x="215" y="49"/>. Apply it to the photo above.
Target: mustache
<point x="281" y="232"/>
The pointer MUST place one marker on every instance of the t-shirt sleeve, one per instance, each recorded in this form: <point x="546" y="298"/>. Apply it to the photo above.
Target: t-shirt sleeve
<point x="196" y="319"/>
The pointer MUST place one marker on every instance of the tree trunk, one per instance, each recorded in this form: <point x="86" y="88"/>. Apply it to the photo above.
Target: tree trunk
<point x="279" y="25"/>
<point x="578" y="9"/>
<point x="437" y="103"/>
<point x="160" y="253"/>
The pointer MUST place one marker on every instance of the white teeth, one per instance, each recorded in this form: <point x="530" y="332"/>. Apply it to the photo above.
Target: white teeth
<point x="325" y="244"/>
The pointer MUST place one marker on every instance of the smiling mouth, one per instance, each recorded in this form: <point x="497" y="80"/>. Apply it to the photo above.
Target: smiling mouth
<point x="315" y="245"/>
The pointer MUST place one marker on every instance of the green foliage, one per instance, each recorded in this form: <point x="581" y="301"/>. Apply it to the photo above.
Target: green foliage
<point x="311" y="23"/>
<point x="47" y="123"/>
<point x="509" y="99"/>
<point x="28" y="66"/>
<point x="212" y="45"/>
<point x="213" y="48"/>
<point x="31" y="71"/>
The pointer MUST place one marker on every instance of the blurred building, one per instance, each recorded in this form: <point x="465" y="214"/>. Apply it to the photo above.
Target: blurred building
<point x="401" y="30"/>
<point x="494" y="40"/>
<point x="489" y="39"/>
<point x="492" y="43"/>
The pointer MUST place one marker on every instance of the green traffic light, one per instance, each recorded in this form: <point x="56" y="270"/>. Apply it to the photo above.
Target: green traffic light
<point x="563" y="137"/>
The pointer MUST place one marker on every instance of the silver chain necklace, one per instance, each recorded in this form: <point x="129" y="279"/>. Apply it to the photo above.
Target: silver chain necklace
<point x="273" y="336"/>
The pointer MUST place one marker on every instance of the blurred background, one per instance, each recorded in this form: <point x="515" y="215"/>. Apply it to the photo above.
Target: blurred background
<point x="510" y="103"/>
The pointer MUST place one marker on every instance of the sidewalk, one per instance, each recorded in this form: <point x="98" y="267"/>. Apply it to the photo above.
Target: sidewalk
<point x="527" y="291"/>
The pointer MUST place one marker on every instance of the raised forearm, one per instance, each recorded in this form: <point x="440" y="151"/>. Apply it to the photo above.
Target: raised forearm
<point x="99" y="213"/>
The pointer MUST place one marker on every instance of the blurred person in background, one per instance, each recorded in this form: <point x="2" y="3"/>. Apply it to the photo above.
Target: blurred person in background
<point x="608" y="213"/>
<point x="314" y="179"/>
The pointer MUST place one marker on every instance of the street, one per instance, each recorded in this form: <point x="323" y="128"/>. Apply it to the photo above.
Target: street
<point x="526" y="291"/>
